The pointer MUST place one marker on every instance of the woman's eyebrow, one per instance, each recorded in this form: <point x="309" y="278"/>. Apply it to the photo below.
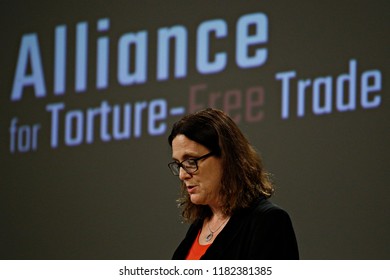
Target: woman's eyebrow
<point x="187" y="155"/>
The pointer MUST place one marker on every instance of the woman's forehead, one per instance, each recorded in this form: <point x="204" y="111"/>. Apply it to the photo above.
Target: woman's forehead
<point x="184" y="147"/>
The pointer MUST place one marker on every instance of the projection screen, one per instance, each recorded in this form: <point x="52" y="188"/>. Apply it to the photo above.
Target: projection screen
<point x="90" y="89"/>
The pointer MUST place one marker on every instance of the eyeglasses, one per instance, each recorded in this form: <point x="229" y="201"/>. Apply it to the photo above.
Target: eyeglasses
<point x="189" y="165"/>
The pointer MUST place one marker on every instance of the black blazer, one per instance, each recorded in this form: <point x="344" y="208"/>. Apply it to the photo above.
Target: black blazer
<point x="261" y="232"/>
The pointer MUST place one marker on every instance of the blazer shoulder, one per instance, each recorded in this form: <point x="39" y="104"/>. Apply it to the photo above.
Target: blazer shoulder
<point x="265" y="206"/>
<point x="266" y="210"/>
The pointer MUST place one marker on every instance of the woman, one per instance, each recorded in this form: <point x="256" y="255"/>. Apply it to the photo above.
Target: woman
<point x="225" y="193"/>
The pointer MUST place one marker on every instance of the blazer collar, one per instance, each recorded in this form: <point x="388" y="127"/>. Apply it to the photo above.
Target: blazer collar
<point x="223" y="239"/>
<point x="229" y="232"/>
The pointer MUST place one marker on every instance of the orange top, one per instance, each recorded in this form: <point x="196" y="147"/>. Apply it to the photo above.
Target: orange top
<point x="197" y="250"/>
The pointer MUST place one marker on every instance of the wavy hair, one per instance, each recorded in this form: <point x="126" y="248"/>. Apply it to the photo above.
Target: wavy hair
<point x="244" y="179"/>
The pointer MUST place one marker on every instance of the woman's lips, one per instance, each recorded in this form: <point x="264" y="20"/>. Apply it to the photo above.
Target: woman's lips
<point x="191" y="189"/>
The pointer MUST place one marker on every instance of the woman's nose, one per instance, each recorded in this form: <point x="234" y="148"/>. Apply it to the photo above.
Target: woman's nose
<point x="183" y="174"/>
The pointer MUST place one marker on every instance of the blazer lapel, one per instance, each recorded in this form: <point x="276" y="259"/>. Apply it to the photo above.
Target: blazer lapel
<point x="225" y="237"/>
<point x="184" y="247"/>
